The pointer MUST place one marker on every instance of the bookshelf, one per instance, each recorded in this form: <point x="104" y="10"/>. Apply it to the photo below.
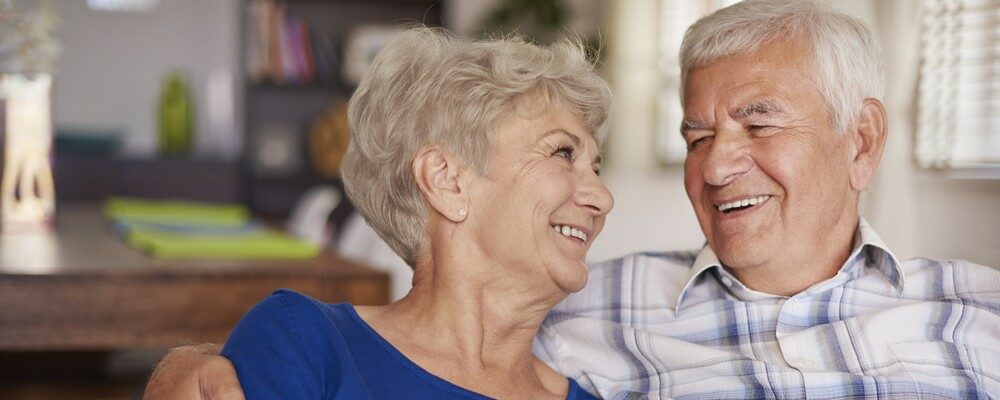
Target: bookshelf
<point x="283" y="97"/>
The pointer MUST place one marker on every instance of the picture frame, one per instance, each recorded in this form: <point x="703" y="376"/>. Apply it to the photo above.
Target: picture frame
<point x="360" y="48"/>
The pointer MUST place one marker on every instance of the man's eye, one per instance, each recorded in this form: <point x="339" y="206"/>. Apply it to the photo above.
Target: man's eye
<point x="760" y="129"/>
<point x="694" y="145"/>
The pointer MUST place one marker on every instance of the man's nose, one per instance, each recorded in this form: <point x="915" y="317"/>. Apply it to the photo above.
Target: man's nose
<point x="727" y="159"/>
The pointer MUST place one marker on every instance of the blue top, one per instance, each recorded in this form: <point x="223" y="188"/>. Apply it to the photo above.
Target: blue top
<point x="291" y="346"/>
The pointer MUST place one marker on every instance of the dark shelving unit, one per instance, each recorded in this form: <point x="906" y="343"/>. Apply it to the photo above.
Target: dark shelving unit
<point x="293" y="106"/>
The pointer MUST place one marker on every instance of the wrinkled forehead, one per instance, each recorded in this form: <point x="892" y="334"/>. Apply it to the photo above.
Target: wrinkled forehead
<point x="541" y="101"/>
<point x="781" y="60"/>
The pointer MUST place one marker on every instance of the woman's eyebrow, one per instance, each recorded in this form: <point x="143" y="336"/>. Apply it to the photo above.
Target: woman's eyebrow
<point x="558" y="131"/>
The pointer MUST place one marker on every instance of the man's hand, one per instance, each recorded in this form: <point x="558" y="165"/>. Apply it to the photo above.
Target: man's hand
<point x="195" y="372"/>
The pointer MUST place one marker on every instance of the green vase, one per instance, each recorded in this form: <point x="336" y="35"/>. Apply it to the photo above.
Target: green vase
<point x="176" y="117"/>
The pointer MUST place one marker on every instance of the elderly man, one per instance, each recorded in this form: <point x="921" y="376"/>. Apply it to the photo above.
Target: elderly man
<point x="794" y="296"/>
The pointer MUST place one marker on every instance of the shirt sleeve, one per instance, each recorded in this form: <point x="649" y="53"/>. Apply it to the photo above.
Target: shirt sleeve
<point x="267" y="348"/>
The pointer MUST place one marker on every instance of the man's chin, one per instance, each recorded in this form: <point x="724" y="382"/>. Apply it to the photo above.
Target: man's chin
<point x="739" y="256"/>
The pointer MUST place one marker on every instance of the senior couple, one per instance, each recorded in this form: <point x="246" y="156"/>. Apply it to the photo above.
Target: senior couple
<point x="477" y="162"/>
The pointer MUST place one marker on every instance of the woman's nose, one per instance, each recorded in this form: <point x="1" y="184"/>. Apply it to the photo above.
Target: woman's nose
<point x="594" y="196"/>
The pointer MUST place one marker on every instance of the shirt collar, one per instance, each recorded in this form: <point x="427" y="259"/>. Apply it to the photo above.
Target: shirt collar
<point x="868" y="250"/>
<point x="868" y="246"/>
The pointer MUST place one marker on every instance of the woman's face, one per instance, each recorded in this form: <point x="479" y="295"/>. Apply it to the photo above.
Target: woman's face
<point x="541" y="204"/>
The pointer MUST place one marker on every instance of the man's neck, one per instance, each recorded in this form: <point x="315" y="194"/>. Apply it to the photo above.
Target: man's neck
<point x="789" y="276"/>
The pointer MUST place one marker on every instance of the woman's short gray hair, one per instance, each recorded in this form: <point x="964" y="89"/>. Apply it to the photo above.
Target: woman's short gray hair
<point x="845" y="54"/>
<point x="428" y="87"/>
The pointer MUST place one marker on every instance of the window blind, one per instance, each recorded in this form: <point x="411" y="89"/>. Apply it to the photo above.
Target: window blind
<point x="675" y="16"/>
<point x="958" y="115"/>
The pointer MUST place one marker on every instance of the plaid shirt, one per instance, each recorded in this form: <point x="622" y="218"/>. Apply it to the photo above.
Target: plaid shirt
<point x="678" y="325"/>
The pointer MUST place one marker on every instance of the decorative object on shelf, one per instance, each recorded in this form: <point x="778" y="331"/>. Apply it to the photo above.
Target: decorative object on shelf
<point x="362" y="44"/>
<point x="309" y="219"/>
<point x="28" y="51"/>
<point x="277" y="149"/>
<point x="328" y="140"/>
<point x="176" y="116"/>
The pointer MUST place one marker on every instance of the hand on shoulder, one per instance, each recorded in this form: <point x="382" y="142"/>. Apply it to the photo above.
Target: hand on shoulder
<point x="194" y="372"/>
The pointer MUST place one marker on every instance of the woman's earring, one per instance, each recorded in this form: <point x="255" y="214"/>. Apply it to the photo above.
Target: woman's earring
<point x="461" y="212"/>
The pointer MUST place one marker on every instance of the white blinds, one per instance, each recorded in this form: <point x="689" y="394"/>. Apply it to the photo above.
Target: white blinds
<point x="674" y="19"/>
<point x="958" y="119"/>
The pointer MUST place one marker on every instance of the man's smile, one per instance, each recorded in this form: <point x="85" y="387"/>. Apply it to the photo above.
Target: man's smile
<point x="741" y="204"/>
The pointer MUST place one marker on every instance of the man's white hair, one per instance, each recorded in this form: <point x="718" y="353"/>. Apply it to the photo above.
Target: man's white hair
<point x="846" y="56"/>
<point x="428" y="87"/>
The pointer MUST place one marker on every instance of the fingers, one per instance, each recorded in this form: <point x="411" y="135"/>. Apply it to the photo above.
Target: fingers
<point x="194" y="372"/>
<point x="219" y="382"/>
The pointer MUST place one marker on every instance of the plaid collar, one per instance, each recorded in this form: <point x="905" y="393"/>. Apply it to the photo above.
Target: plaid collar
<point x="869" y="250"/>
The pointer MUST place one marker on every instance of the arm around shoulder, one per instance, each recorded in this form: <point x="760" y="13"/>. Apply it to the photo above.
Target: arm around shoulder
<point x="194" y="372"/>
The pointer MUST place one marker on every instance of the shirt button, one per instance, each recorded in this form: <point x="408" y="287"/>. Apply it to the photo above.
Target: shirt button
<point x="726" y="281"/>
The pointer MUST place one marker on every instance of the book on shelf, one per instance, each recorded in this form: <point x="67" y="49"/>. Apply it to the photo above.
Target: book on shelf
<point x="285" y="50"/>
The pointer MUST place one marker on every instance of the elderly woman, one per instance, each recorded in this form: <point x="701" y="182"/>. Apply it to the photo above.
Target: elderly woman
<point x="477" y="162"/>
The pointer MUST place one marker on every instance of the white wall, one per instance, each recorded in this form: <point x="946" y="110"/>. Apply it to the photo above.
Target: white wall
<point x="112" y="66"/>
<point x="652" y="211"/>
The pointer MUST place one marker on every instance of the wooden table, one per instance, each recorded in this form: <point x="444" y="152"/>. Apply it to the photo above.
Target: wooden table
<point x="83" y="289"/>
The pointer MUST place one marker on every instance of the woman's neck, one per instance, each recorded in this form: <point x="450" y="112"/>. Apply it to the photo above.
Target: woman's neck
<point x="471" y="322"/>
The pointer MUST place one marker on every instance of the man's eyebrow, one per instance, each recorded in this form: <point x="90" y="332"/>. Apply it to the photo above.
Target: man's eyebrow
<point x="690" y="125"/>
<point x="762" y="107"/>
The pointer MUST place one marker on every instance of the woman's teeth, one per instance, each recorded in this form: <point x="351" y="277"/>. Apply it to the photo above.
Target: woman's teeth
<point x="570" y="231"/>
<point x="743" y="203"/>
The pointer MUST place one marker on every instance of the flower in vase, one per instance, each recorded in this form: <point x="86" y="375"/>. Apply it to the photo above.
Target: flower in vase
<point x="27" y="37"/>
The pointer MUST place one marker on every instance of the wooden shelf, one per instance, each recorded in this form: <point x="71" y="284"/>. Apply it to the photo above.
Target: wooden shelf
<point x="95" y="178"/>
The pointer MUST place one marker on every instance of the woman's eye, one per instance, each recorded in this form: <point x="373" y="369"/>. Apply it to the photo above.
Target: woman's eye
<point x="564" y="152"/>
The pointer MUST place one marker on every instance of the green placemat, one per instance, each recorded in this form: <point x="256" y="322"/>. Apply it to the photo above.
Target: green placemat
<point x="175" y="211"/>
<point x="261" y="245"/>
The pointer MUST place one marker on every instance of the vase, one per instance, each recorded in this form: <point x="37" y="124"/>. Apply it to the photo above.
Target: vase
<point x="27" y="190"/>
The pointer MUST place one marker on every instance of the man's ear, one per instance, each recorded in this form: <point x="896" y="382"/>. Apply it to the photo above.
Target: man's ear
<point x="868" y="141"/>
<point x="438" y="176"/>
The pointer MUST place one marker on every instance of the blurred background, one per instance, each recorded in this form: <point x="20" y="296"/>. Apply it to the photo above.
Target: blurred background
<point x="172" y="119"/>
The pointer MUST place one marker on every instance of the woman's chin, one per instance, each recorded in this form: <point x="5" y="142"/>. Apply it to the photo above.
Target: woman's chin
<point x="573" y="279"/>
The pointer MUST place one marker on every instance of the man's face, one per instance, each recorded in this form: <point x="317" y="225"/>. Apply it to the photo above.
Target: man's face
<point x="768" y="176"/>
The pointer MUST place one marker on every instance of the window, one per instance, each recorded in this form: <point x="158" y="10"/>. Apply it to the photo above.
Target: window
<point x="674" y="19"/>
<point x="958" y="113"/>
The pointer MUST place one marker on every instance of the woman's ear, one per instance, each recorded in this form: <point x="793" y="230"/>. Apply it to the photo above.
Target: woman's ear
<point x="868" y="143"/>
<point x="438" y="176"/>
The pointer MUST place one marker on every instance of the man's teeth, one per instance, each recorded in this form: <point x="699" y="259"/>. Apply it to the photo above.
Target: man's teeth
<point x="743" y="203"/>
<point x="570" y="231"/>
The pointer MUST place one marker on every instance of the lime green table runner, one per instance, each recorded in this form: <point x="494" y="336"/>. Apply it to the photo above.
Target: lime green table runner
<point x="178" y="229"/>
